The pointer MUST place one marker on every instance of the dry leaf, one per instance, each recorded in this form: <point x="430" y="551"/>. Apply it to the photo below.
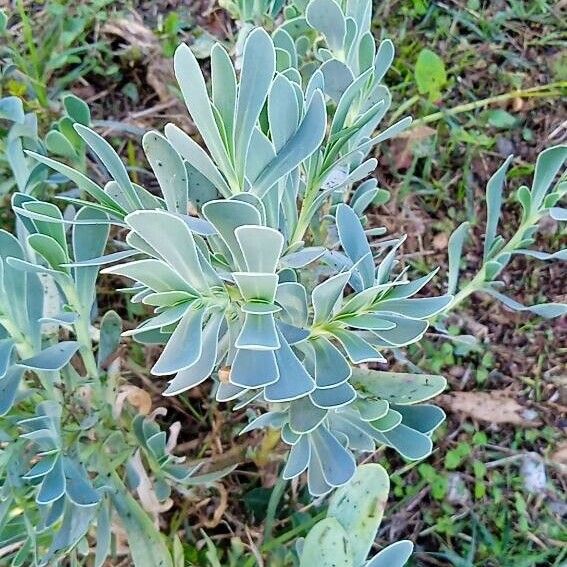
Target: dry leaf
<point x="132" y="31"/>
<point x="440" y="241"/>
<point x="407" y="144"/>
<point x="136" y="397"/>
<point x="492" y="407"/>
<point x="560" y="454"/>
<point x="146" y="491"/>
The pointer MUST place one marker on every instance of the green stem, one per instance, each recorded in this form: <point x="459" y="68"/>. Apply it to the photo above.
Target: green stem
<point x="293" y="533"/>
<point x="541" y="90"/>
<point x="82" y="334"/>
<point x="40" y="87"/>
<point x="403" y="108"/>
<point x="275" y="498"/>
<point x="85" y="346"/>
<point x="304" y="219"/>
<point x="477" y="283"/>
<point x="24" y="347"/>
<point x="288" y="536"/>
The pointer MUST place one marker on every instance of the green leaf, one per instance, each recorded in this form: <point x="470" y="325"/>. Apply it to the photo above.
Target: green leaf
<point x="57" y="143"/>
<point x="3" y="21"/>
<point x="77" y="109"/>
<point x="430" y="74"/>
<point x="455" y="246"/>
<point x="500" y="118"/>
<point x="147" y="545"/>
<point x="398" y="387"/>
<point x="359" y="506"/>
<point x="327" y="545"/>
<point x="50" y="250"/>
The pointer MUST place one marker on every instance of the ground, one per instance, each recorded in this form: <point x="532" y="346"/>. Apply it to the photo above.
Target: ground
<point x="493" y="492"/>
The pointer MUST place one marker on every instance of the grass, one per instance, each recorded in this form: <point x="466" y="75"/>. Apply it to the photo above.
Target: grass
<point x="501" y="90"/>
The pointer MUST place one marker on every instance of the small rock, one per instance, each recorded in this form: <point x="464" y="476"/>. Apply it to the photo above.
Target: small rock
<point x="533" y="473"/>
<point x="440" y="241"/>
<point x="457" y="491"/>
<point x="505" y="147"/>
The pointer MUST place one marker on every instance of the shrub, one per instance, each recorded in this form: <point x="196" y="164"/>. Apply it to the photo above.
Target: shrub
<point x="264" y="277"/>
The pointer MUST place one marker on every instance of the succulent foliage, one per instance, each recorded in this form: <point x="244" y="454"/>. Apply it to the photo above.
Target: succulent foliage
<point x="262" y="275"/>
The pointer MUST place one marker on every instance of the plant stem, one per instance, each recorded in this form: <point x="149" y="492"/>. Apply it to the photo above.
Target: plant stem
<point x="294" y="532"/>
<point x="539" y="91"/>
<point x="85" y="346"/>
<point x="40" y="88"/>
<point x="284" y="538"/>
<point x="275" y="498"/>
<point x="303" y="220"/>
<point x="82" y="334"/>
<point x="480" y="279"/>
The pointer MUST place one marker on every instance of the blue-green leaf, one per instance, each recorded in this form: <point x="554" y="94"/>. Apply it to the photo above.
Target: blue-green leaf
<point x="52" y="358"/>
<point x="494" y="205"/>
<point x="258" y="68"/>
<point x="546" y="310"/>
<point x="183" y="348"/>
<point x="395" y="555"/>
<point x="204" y="366"/>
<point x="300" y="146"/>
<point x="293" y="382"/>
<point x="169" y="170"/>
<point x="254" y="368"/>
<point x="456" y="242"/>
<point x="327" y="17"/>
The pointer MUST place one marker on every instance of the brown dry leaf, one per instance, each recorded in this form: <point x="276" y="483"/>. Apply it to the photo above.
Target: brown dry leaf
<point x="560" y="454"/>
<point x="136" y="397"/>
<point x="405" y="144"/>
<point x="224" y="374"/>
<point x="492" y="407"/>
<point x="440" y="241"/>
<point x="132" y="31"/>
<point x="135" y="35"/>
